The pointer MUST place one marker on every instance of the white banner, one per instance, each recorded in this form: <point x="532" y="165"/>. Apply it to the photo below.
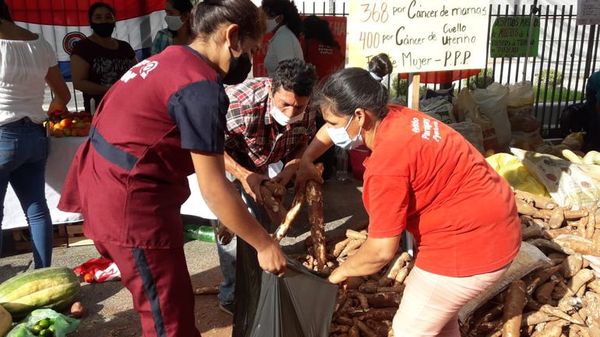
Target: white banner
<point x="419" y="35"/>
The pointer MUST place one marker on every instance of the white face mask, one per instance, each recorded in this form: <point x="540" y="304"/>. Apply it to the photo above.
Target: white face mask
<point x="174" y="22"/>
<point x="271" y="25"/>
<point x="341" y="138"/>
<point x="282" y="119"/>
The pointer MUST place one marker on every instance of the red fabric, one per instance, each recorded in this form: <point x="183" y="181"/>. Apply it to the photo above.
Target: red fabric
<point x="440" y="77"/>
<point x="326" y="59"/>
<point x="170" y="281"/>
<point x="425" y="177"/>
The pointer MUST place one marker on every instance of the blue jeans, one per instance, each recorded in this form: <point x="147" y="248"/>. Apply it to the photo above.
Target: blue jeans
<point x="23" y="155"/>
<point x="228" y="252"/>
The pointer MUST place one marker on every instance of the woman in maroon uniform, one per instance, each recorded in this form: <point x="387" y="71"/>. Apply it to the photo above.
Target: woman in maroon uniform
<point x="163" y="120"/>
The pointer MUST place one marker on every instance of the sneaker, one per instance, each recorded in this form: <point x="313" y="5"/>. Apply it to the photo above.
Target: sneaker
<point x="226" y="308"/>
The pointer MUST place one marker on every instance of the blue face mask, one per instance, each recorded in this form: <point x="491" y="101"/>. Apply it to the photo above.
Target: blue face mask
<point x="341" y="138"/>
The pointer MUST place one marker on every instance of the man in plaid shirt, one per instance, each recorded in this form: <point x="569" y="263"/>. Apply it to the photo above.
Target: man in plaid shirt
<point x="268" y="122"/>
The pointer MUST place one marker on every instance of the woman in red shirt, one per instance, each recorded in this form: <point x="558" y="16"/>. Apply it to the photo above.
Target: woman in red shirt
<point x="426" y="178"/>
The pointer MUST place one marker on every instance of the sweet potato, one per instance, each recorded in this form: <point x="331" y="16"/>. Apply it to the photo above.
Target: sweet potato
<point x="362" y="299"/>
<point x="575" y="215"/>
<point x="354" y="282"/>
<point x="353" y="332"/>
<point x="553" y="329"/>
<point x="290" y="216"/>
<point x="384" y="300"/>
<point x="352" y="234"/>
<point x="557" y="218"/>
<point x="344" y="320"/>
<point x="382" y="314"/>
<point x="369" y="287"/>
<point x="526" y="209"/>
<point x="396" y="265"/>
<point x="538" y="201"/>
<point x="540" y="277"/>
<point x="594" y="286"/>
<point x="571" y="265"/>
<point x="339" y="247"/>
<point x="536" y="317"/>
<point x="314" y="203"/>
<point x="351" y="246"/>
<point x="554" y="233"/>
<point x="572" y="244"/>
<point x="543" y="294"/>
<point x="402" y="274"/>
<point x="591" y="226"/>
<point x="513" y="309"/>
<point x="364" y="329"/>
<point x="557" y="313"/>
<point x="580" y="279"/>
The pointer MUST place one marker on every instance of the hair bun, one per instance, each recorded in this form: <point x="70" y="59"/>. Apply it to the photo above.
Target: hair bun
<point x="380" y="66"/>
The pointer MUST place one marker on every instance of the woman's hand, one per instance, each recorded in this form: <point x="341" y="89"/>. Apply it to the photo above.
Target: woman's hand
<point x="271" y="258"/>
<point x="338" y="276"/>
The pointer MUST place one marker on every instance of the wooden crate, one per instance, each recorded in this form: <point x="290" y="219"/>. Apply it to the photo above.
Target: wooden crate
<point x="75" y="236"/>
<point x="22" y="238"/>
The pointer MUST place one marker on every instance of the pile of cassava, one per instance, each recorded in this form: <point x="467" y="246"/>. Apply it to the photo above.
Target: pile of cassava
<point x="559" y="299"/>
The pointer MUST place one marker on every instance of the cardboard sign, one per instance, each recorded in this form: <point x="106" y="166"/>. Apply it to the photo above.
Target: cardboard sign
<point x="509" y="37"/>
<point x="419" y="35"/>
<point x="337" y="24"/>
<point x="588" y="12"/>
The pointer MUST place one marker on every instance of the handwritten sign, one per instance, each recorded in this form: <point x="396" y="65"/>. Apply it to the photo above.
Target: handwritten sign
<point x="509" y="36"/>
<point x="588" y="12"/>
<point x="419" y="35"/>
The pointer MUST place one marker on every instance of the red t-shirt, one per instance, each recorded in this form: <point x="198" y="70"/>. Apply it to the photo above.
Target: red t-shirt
<point x="425" y="177"/>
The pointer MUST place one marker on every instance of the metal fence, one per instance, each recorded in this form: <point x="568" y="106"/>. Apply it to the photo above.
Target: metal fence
<point x="566" y="57"/>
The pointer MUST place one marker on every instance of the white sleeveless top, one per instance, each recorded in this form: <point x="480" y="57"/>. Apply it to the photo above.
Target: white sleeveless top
<point x="23" y="69"/>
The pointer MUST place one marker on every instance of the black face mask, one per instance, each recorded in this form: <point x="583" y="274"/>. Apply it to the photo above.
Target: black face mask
<point x="103" y="29"/>
<point x="239" y="68"/>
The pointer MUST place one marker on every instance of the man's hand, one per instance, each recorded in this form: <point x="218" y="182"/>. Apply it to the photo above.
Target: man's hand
<point x="251" y="183"/>
<point x="286" y="175"/>
<point x="271" y="258"/>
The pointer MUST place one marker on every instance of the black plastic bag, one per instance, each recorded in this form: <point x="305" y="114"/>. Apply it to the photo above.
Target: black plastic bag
<point x="298" y="304"/>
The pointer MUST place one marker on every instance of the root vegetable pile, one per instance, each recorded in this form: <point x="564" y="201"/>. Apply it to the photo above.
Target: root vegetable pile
<point x="561" y="299"/>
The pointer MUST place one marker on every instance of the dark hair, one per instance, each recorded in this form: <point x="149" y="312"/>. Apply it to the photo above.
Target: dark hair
<point x="98" y="5"/>
<point x="295" y="75"/>
<point x="289" y="11"/>
<point x="350" y="89"/>
<point x="208" y="15"/>
<point x="316" y="28"/>
<point x="4" y="12"/>
<point x="381" y="65"/>
<point x="183" y="6"/>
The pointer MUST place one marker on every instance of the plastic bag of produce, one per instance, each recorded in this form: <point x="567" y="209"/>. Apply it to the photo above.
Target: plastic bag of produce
<point x="472" y="132"/>
<point x="466" y="109"/>
<point x="520" y="99"/>
<point x="45" y="322"/>
<point x="517" y="175"/>
<point x="439" y="108"/>
<point x="298" y="304"/>
<point x="567" y="183"/>
<point x="529" y="259"/>
<point x="493" y="102"/>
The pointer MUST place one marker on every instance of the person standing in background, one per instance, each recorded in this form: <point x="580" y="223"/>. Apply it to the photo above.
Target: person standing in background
<point x="98" y="61"/>
<point x="27" y="63"/>
<point x="178" y="31"/>
<point x="283" y="20"/>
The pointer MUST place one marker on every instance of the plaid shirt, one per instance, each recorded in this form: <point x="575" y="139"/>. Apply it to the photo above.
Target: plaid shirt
<point x="162" y="40"/>
<point x="253" y="138"/>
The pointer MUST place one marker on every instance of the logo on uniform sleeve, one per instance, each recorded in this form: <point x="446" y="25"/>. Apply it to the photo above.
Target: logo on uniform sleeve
<point x="70" y="40"/>
<point x="429" y="129"/>
<point x="143" y="69"/>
